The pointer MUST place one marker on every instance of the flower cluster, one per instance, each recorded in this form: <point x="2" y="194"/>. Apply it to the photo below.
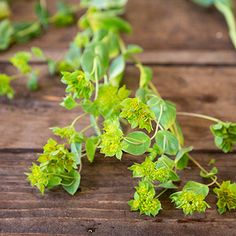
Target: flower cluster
<point x="77" y="84"/>
<point x="111" y="139"/>
<point x="225" y="135"/>
<point x="145" y="200"/>
<point x="137" y="113"/>
<point x="57" y="167"/>
<point x="226" y="195"/>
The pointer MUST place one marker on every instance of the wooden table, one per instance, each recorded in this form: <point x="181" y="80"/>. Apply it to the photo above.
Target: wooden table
<point x="194" y="66"/>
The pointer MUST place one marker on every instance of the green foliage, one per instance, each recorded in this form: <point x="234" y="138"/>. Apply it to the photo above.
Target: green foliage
<point x="111" y="139"/>
<point x="226" y="194"/>
<point x="21" y="61"/>
<point x="57" y="167"/>
<point x="6" y="32"/>
<point x="225" y="135"/>
<point x="145" y="200"/>
<point x="136" y="143"/>
<point x="5" y="86"/>
<point x="92" y="71"/>
<point x="167" y="142"/>
<point x="5" y="11"/>
<point x="137" y="114"/>
<point x="192" y="198"/>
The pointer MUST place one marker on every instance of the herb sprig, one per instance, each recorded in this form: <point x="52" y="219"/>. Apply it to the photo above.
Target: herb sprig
<point x="96" y="88"/>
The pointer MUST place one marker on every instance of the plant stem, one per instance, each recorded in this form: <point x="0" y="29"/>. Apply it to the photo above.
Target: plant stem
<point x="203" y="169"/>
<point x="162" y="192"/>
<point x="95" y="125"/>
<point x="86" y="128"/>
<point x="154" y="89"/>
<point x="77" y="118"/>
<point x="199" y="116"/>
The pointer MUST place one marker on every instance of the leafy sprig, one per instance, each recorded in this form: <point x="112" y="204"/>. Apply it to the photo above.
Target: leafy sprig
<point x="95" y="87"/>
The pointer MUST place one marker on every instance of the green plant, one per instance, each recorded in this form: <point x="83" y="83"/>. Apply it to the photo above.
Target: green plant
<point x="96" y="88"/>
<point x="225" y="7"/>
<point x="22" y="32"/>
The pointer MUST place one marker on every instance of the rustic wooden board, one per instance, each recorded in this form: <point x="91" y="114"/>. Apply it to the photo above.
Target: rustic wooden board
<point x="101" y="205"/>
<point x="169" y="26"/>
<point x="207" y="90"/>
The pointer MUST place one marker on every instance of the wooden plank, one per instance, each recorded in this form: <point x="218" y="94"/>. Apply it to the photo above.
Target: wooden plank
<point x="157" y="57"/>
<point x="207" y="90"/>
<point x="101" y="204"/>
<point x="161" y="25"/>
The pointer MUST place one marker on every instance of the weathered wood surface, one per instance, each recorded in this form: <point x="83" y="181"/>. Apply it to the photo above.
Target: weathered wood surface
<point x="101" y="205"/>
<point x="206" y="90"/>
<point x="194" y="66"/>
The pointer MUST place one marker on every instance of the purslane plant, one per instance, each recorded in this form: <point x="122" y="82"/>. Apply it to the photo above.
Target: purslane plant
<point x="225" y="7"/>
<point x="95" y="87"/>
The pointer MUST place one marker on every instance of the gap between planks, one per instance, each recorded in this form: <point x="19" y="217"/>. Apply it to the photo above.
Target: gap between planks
<point x="160" y="57"/>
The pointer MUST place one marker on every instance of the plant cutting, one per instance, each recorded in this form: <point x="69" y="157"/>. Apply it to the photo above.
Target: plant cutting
<point x="97" y="89"/>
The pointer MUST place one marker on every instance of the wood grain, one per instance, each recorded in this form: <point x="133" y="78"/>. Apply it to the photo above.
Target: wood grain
<point x="207" y="90"/>
<point x="172" y="25"/>
<point x="101" y="203"/>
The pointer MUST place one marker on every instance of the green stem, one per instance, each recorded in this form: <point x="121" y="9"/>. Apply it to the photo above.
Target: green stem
<point x="162" y="192"/>
<point x="154" y="89"/>
<point x="203" y="169"/>
<point x="157" y="123"/>
<point x="86" y="128"/>
<point x="77" y="118"/>
<point x="95" y="125"/>
<point x="199" y="116"/>
<point x="227" y="12"/>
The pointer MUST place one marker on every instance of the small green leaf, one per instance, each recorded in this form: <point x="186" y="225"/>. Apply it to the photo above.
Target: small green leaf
<point x="136" y="143"/>
<point x="37" y="52"/>
<point x="198" y="188"/>
<point x="32" y="83"/>
<point x="75" y="183"/>
<point x="181" y="160"/>
<point x="164" y="110"/>
<point x="54" y="181"/>
<point x="210" y="174"/>
<point x="4" y="9"/>
<point x="116" y="70"/>
<point x="6" y="34"/>
<point x="69" y="102"/>
<point x="131" y="50"/>
<point x="167" y="142"/>
<point x="91" y="146"/>
<point x="168" y="185"/>
<point x="42" y="14"/>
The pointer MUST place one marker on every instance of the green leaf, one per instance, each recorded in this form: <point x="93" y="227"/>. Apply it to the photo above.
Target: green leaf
<point x="131" y="50"/>
<point x="32" y="83"/>
<point x="52" y="66"/>
<point x="5" y="86"/>
<point x="136" y="143"/>
<point x="164" y="110"/>
<point x="168" y="185"/>
<point x="198" y="188"/>
<point x="65" y="15"/>
<point x="54" y="181"/>
<point x="4" y="9"/>
<point x="116" y="70"/>
<point x="76" y="149"/>
<point x="102" y="20"/>
<point x="69" y="102"/>
<point x="166" y="162"/>
<point x="25" y="31"/>
<point x="42" y="14"/>
<point x="167" y="142"/>
<point x="91" y="146"/>
<point x="6" y="34"/>
<point x="75" y="183"/>
<point x="37" y="52"/>
<point x="104" y="4"/>
<point x="21" y="61"/>
<point x="73" y="56"/>
<point x="181" y="160"/>
<point x="210" y="174"/>
<point x="145" y="75"/>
